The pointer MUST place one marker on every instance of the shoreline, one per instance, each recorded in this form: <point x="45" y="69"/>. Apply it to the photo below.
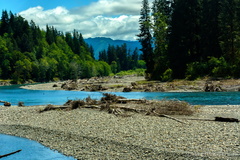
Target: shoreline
<point x="91" y="134"/>
<point x="139" y="84"/>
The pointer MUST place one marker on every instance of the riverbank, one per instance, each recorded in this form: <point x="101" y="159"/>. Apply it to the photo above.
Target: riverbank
<point x="138" y="83"/>
<point x="94" y="134"/>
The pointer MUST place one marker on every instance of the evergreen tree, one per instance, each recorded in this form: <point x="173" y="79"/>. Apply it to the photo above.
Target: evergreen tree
<point x="210" y="33"/>
<point x="184" y="41"/>
<point x="145" y="38"/>
<point x="26" y="52"/>
<point x="103" y="56"/>
<point x="162" y="16"/>
<point x="4" y="27"/>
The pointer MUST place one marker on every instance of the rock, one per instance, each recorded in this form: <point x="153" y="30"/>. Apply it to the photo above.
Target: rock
<point x="20" y="104"/>
<point x="96" y="88"/>
<point x="69" y="86"/>
<point x="134" y="84"/>
<point x="127" y="89"/>
<point x="212" y="88"/>
<point x="7" y="104"/>
<point x="147" y="90"/>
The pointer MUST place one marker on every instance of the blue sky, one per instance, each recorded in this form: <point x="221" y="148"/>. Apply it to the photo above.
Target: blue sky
<point x="116" y="19"/>
<point x="17" y="6"/>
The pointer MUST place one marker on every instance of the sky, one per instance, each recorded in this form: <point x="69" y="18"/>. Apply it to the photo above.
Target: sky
<point x="116" y="19"/>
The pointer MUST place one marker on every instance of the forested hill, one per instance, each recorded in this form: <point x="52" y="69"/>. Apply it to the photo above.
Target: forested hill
<point x="101" y="43"/>
<point x="29" y="53"/>
<point x="191" y="38"/>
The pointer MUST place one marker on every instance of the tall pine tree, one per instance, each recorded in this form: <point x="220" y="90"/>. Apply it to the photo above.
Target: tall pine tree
<point x="145" y="38"/>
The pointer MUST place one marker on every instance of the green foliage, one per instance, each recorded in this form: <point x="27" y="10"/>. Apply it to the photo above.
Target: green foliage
<point x="138" y="72"/>
<point x="167" y="75"/>
<point x="194" y="38"/>
<point x="195" y="70"/>
<point x="218" y="67"/>
<point x="145" y="38"/>
<point x="121" y="59"/>
<point x="114" y="67"/>
<point x="26" y="52"/>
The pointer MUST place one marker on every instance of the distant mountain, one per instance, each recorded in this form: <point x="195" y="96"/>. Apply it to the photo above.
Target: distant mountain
<point x="101" y="43"/>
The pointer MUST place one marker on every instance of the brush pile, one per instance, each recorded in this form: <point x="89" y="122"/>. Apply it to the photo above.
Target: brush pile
<point x="121" y="106"/>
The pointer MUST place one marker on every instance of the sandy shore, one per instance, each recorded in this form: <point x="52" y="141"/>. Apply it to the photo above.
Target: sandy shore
<point x="93" y="134"/>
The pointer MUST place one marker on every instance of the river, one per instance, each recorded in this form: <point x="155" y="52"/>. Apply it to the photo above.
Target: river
<point x="33" y="150"/>
<point x="14" y="94"/>
<point x="30" y="150"/>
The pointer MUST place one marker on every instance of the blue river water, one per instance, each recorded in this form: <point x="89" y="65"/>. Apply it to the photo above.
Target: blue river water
<point x="14" y="94"/>
<point x="33" y="150"/>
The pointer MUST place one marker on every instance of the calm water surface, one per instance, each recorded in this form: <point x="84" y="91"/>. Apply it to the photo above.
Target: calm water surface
<point x="14" y="94"/>
<point x="33" y="150"/>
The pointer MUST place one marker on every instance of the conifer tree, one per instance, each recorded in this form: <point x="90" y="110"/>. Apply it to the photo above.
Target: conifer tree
<point x="145" y="38"/>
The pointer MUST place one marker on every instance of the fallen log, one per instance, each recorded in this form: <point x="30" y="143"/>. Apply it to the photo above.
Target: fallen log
<point x="175" y="119"/>
<point x="5" y="155"/>
<point x="51" y="107"/>
<point x="222" y="119"/>
<point x="218" y="119"/>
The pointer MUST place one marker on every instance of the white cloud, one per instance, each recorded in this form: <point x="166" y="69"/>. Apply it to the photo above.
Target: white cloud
<point x="117" y="19"/>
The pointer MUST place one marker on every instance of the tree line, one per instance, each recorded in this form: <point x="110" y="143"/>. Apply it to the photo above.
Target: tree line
<point x="29" y="53"/>
<point x="121" y="59"/>
<point x="190" y="38"/>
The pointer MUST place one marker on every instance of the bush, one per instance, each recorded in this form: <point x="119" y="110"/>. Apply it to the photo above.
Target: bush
<point x="219" y="67"/>
<point x="196" y="70"/>
<point x="167" y="75"/>
<point x="137" y="72"/>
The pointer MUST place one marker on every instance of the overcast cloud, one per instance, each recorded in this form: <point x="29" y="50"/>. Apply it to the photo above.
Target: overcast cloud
<point x="117" y="19"/>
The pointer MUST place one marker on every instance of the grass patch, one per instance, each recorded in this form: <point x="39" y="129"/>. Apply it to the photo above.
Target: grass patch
<point x="137" y="72"/>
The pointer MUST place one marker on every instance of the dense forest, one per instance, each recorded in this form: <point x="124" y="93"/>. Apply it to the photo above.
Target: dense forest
<point x="29" y="53"/>
<point x="190" y="38"/>
<point x="121" y="59"/>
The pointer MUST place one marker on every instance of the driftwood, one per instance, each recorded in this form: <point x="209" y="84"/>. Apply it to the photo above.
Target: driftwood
<point x="92" y="107"/>
<point x="218" y="119"/>
<point x="130" y="100"/>
<point x="51" y="107"/>
<point x="222" y="119"/>
<point x="5" y="155"/>
<point x="132" y="109"/>
<point x="6" y="103"/>
<point x="175" y="119"/>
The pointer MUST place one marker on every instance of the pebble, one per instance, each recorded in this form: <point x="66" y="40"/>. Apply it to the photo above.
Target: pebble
<point x="93" y="134"/>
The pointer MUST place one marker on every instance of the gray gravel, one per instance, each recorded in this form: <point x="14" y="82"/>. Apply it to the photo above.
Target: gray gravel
<point x="91" y="134"/>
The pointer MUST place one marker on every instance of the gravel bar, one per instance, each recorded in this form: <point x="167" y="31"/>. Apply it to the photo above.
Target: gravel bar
<point x="93" y="134"/>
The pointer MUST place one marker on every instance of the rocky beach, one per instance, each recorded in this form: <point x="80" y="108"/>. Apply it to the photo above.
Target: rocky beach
<point x="139" y="84"/>
<point x="93" y="134"/>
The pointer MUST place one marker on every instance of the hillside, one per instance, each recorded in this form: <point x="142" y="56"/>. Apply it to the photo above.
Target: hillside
<point x="101" y="43"/>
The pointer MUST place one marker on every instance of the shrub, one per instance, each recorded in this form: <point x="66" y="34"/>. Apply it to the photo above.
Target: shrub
<point x="167" y="75"/>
